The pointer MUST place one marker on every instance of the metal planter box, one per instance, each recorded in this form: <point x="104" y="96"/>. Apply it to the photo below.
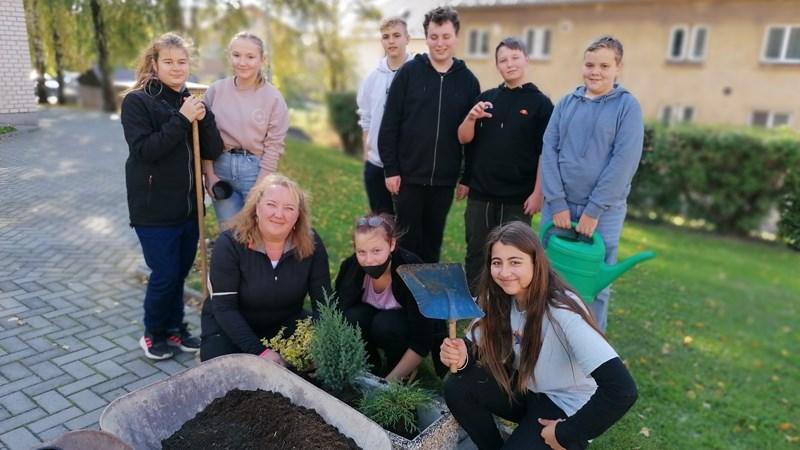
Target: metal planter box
<point x="439" y="427"/>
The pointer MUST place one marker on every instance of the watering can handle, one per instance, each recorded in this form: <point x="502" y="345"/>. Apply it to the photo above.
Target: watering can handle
<point x="568" y="234"/>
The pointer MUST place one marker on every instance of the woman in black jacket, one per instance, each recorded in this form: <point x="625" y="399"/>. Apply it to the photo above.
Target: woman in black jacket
<point x="262" y="269"/>
<point x="157" y="115"/>
<point x="372" y="295"/>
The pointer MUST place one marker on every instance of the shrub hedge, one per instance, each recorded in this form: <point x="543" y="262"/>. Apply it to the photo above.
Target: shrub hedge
<point x="730" y="177"/>
<point x="343" y="117"/>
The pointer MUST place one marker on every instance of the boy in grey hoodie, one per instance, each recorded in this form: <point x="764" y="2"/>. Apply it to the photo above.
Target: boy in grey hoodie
<point x="371" y="101"/>
<point x="591" y="150"/>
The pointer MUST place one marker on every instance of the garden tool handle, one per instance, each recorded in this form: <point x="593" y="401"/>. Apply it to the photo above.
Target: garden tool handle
<point x="570" y="233"/>
<point x="200" y="194"/>
<point x="451" y="333"/>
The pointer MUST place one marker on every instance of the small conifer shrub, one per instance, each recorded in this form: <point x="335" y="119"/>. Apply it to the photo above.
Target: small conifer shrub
<point x="337" y="348"/>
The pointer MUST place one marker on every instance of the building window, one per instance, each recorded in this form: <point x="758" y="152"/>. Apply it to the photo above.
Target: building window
<point x="537" y="41"/>
<point x="673" y="114"/>
<point x="478" y="43"/>
<point x="782" y="44"/>
<point x="769" y="119"/>
<point x="688" y="43"/>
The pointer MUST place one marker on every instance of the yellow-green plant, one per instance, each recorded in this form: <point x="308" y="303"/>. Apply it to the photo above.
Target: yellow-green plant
<point x="296" y="349"/>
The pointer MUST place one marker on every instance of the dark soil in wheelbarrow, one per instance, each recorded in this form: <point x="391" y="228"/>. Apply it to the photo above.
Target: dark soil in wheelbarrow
<point x="257" y="420"/>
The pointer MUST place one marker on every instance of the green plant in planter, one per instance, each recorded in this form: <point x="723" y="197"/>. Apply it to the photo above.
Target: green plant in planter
<point x="337" y="348"/>
<point x="296" y="349"/>
<point x="394" y="406"/>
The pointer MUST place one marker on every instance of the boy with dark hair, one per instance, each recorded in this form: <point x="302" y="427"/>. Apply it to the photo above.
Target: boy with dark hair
<point x="418" y="142"/>
<point x="503" y="137"/>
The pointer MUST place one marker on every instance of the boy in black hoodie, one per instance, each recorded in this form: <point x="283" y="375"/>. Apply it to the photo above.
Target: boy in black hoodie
<point x="417" y="141"/>
<point x="503" y="136"/>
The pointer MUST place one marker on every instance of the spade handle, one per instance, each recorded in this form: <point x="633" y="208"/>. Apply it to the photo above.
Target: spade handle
<point x="451" y="332"/>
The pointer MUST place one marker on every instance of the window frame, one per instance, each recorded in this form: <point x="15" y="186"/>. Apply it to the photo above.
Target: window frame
<point x="687" y="49"/>
<point x="482" y="40"/>
<point x="770" y="122"/>
<point x="671" y="114"/>
<point x="538" y="51"/>
<point x="782" y="57"/>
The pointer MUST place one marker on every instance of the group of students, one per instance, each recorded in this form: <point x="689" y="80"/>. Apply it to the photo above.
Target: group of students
<point x="539" y="356"/>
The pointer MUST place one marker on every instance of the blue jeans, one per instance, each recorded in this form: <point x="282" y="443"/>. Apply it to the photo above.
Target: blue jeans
<point x="610" y="228"/>
<point x="169" y="253"/>
<point x="241" y="171"/>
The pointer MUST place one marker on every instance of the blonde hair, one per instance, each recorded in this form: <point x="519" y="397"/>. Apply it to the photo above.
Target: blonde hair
<point x="245" y="224"/>
<point x="608" y="42"/>
<point x="256" y="40"/>
<point x="145" y="70"/>
<point x="392" y="21"/>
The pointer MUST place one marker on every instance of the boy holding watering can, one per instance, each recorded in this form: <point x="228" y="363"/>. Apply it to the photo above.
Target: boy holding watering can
<point x="591" y="150"/>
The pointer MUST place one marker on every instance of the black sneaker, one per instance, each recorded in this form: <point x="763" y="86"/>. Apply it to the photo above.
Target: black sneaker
<point x="182" y="339"/>
<point x="155" y="346"/>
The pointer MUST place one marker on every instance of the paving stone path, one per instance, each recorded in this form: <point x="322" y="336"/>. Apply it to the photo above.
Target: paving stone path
<point x="70" y="299"/>
<point x="70" y="296"/>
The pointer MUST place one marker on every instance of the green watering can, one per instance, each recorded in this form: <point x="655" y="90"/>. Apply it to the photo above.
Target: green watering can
<point x="581" y="260"/>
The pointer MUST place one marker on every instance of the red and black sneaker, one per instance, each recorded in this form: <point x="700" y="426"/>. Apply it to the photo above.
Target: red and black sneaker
<point x="182" y="339"/>
<point x="155" y="346"/>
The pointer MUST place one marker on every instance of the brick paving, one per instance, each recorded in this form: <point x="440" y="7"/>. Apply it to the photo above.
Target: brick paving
<point x="70" y="293"/>
<point x="70" y="297"/>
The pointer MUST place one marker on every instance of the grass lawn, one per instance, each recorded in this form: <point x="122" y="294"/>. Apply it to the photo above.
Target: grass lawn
<point x="709" y="328"/>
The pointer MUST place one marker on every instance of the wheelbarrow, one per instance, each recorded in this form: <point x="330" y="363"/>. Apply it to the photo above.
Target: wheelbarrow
<point x="148" y="415"/>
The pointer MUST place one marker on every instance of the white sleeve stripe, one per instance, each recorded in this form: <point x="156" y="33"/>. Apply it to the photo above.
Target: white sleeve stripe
<point x="217" y="294"/>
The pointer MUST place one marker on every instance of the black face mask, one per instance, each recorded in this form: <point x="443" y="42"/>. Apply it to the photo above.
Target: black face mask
<point x="376" y="271"/>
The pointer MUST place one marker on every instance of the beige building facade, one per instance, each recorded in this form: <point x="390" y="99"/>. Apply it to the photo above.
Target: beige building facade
<point x="17" y="100"/>
<point x="702" y="61"/>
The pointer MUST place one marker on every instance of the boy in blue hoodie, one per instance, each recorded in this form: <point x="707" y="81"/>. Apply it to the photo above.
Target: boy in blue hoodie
<point x="591" y="151"/>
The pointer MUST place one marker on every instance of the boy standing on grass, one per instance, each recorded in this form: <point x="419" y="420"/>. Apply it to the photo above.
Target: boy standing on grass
<point x="591" y="151"/>
<point x="371" y="101"/>
<point x="418" y="141"/>
<point x="503" y="138"/>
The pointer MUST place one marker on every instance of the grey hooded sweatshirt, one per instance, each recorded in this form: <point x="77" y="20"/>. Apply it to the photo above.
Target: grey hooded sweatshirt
<point x="591" y="150"/>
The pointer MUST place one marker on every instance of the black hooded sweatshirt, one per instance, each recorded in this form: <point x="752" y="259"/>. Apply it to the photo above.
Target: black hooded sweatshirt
<point x="418" y="138"/>
<point x="159" y="172"/>
<point x="500" y="163"/>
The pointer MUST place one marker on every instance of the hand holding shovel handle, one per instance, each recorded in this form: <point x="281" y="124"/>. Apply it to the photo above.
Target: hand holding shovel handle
<point x="198" y="187"/>
<point x="441" y="292"/>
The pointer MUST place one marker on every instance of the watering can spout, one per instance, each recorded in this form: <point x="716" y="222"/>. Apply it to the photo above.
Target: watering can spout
<point x="609" y="273"/>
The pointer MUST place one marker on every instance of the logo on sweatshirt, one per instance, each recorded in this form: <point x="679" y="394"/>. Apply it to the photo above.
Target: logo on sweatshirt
<point x="524" y="112"/>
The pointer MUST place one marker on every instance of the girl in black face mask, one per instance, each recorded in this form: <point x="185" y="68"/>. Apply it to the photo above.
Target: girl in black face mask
<point x="372" y="295"/>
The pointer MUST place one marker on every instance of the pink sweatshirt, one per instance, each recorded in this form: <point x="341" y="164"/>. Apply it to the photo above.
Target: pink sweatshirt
<point x="254" y="119"/>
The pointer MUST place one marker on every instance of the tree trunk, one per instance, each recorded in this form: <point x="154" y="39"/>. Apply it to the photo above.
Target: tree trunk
<point x="59" y="56"/>
<point x="109" y="103"/>
<point x="38" y="52"/>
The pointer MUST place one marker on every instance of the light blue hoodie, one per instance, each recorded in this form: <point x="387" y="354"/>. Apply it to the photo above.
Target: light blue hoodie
<point x="591" y="150"/>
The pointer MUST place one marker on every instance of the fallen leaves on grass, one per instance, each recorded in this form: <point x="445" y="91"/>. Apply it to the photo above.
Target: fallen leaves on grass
<point x="645" y="432"/>
<point x="687" y="340"/>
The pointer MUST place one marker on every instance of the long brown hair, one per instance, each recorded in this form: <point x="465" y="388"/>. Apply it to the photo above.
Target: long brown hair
<point x="145" y="72"/>
<point x="245" y="223"/>
<point x="547" y="290"/>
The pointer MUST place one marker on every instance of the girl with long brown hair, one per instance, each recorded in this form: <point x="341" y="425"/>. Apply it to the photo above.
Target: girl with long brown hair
<point x="537" y="357"/>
